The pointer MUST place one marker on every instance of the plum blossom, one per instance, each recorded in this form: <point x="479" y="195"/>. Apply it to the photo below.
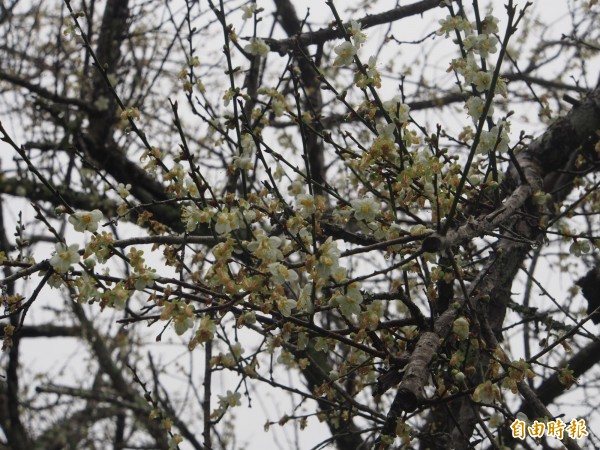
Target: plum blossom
<point x="482" y="44"/>
<point x="227" y="97"/>
<point x="285" y="306"/>
<point x="452" y="23"/>
<point x="365" y="208"/>
<point x="118" y="296"/>
<point x="489" y="25"/>
<point x="349" y="304"/>
<point x="461" y="328"/>
<point x="206" y="330"/>
<point x="281" y="274"/>
<point x="230" y="399"/>
<point x="174" y="441"/>
<point x="495" y="139"/>
<point x="373" y="74"/>
<point x="87" y="290"/>
<point x="482" y="80"/>
<point x="296" y="188"/>
<point x="145" y="279"/>
<point x="475" y="107"/>
<point x="86" y="220"/>
<point x="486" y="393"/>
<point x="397" y="110"/>
<point x="345" y="52"/>
<point x="182" y="323"/>
<point x="306" y="205"/>
<point x="266" y="247"/>
<point x="257" y="47"/>
<point x="243" y="161"/>
<point x="64" y="257"/>
<point x="123" y="189"/>
<point x="328" y="260"/>
<point x="191" y="217"/>
<point x="579" y="247"/>
<point x="304" y="302"/>
<point x="358" y="36"/>
<point x="226" y="222"/>
<point x="248" y="11"/>
<point x="386" y="131"/>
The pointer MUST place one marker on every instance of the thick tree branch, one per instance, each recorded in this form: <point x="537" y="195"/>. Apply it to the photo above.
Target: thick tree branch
<point x="539" y="410"/>
<point x="71" y="430"/>
<point x="580" y="363"/>
<point x="45" y="331"/>
<point x="46" y="94"/>
<point x="590" y="286"/>
<point x="314" y="102"/>
<point x="481" y="225"/>
<point x="546" y="154"/>
<point x="328" y="34"/>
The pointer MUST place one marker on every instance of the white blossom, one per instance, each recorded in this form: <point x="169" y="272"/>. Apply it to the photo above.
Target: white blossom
<point x="365" y="208"/>
<point x="86" y="220"/>
<point x="227" y="97"/>
<point x="328" y="259"/>
<point x="182" y="323"/>
<point x="64" y="257"/>
<point x="285" y="306"/>
<point x="396" y="109"/>
<point x="482" y="44"/>
<point x="118" y="296"/>
<point x="579" y="247"/>
<point x="230" y="399"/>
<point x="461" y="328"/>
<point x="495" y="139"/>
<point x="489" y="25"/>
<point x="145" y="279"/>
<point x="243" y="161"/>
<point x="296" y="188"/>
<point x="475" y="107"/>
<point x="281" y="274"/>
<point x="306" y="205"/>
<point x="451" y="24"/>
<point x="247" y="143"/>
<point x="227" y="222"/>
<point x="123" y="190"/>
<point x="386" y="131"/>
<point x="349" y="303"/>
<point x="278" y="106"/>
<point x="482" y="80"/>
<point x="266" y="247"/>
<point x="248" y="11"/>
<point x="486" y="393"/>
<point x="257" y="47"/>
<point x="373" y="74"/>
<point x="304" y="302"/>
<point x="358" y="36"/>
<point x="345" y="52"/>
<point x="191" y="217"/>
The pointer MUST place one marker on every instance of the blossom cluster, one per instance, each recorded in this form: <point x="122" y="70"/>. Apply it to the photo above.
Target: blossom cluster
<point x="347" y="50"/>
<point x="478" y="45"/>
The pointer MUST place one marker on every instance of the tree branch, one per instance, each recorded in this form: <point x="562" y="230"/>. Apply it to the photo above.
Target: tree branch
<point x="323" y="35"/>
